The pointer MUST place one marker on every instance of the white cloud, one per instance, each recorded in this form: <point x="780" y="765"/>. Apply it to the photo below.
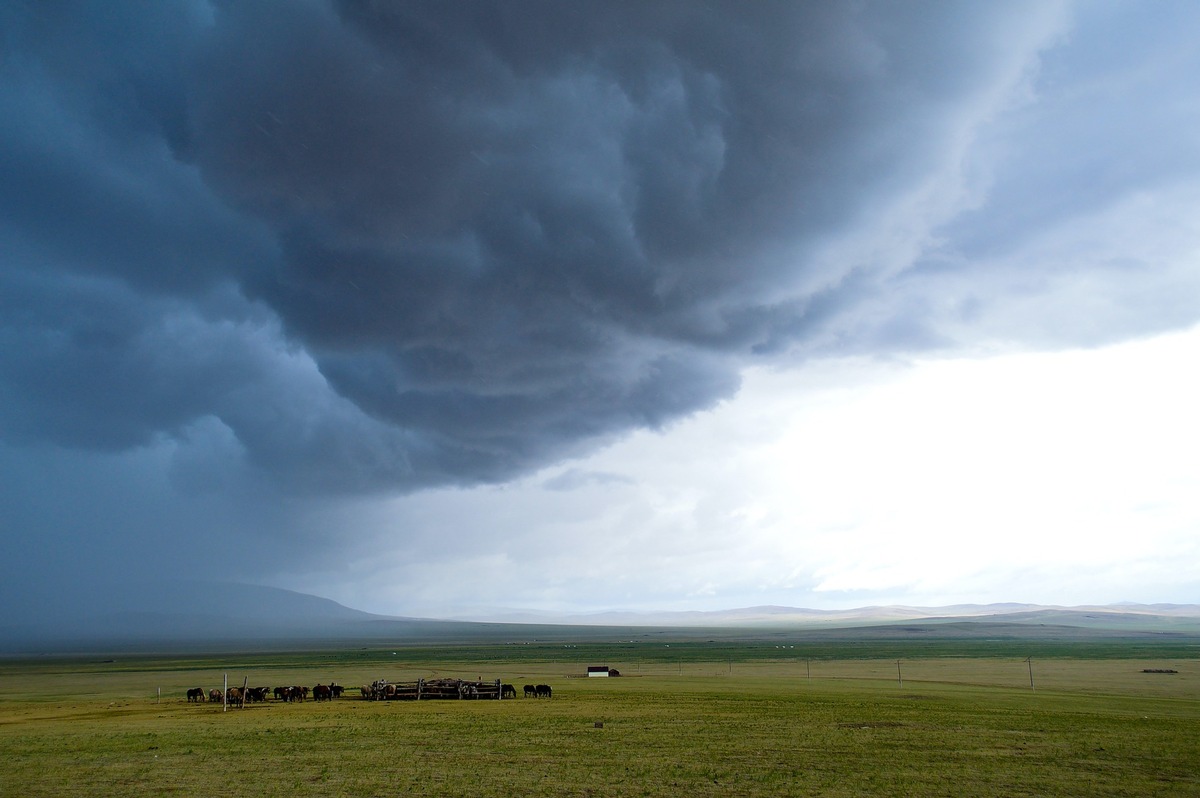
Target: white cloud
<point x="1068" y="477"/>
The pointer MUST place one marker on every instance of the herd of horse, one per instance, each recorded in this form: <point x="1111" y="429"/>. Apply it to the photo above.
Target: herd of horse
<point x="253" y="695"/>
<point x="328" y="692"/>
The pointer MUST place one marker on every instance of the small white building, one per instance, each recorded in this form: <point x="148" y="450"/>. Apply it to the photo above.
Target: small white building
<point x="597" y="670"/>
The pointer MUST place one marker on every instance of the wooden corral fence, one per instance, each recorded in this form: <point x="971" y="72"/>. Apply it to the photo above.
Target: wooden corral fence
<point x="431" y="689"/>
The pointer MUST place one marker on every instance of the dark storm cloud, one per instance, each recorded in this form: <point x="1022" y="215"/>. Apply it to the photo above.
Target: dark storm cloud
<point x="364" y="245"/>
<point x="95" y="366"/>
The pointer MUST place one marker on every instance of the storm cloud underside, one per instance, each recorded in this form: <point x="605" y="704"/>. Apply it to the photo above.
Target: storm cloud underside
<point x="263" y="260"/>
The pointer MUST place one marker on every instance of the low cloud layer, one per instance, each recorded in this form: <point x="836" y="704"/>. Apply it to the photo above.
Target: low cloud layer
<point x="325" y="249"/>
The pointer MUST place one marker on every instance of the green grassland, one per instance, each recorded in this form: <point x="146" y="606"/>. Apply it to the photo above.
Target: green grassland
<point x="694" y="717"/>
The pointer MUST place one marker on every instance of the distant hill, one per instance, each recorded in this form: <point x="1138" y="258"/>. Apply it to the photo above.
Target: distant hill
<point x="180" y="610"/>
<point x="193" y="613"/>
<point x="1164" y="617"/>
<point x="199" y="615"/>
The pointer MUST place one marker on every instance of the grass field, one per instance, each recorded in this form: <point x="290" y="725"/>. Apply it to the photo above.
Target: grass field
<point x="675" y="724"/>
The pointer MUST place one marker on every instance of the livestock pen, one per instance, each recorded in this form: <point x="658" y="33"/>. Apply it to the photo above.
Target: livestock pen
<point x="432" y="689"/>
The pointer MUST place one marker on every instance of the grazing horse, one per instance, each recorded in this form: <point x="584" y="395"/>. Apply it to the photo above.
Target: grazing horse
<point x="336" y="689"/>
<point x="530" y="690"/>
<point x="322" y="693"/>
<point x="214" y="696"/>
<point x="291" y="694"/>
<point x="195" y="695"/>
<point x="367" y="692"/>
<point x="508" y="691"/>
<point x="543" y="691"/>
<point x="295" y="693"/>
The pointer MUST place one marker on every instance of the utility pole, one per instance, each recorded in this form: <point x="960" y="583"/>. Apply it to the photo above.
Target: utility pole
<point x="899" y="677"/>
<point x="1029" y="660"/>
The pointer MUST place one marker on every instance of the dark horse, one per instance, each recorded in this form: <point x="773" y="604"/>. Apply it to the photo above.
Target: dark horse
<point x="508" y="691"/>
<point x="530" y="690"/>
<point x="543" y="691"/>
<point x="196" y="694"/>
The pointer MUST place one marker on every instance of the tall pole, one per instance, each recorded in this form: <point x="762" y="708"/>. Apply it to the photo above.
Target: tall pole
<point x="225" y="693"/>
<point x="899" y="677"/>
<point x="1029" y="660"/>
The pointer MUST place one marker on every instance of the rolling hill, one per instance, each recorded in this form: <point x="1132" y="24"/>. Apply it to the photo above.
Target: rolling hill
<point x="189" y="613"/>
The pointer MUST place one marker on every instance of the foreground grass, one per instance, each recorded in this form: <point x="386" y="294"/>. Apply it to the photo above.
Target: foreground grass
<point x="955" y="727"/>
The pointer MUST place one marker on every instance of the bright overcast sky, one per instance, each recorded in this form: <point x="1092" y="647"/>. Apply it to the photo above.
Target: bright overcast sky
<point x="444" y="308"/>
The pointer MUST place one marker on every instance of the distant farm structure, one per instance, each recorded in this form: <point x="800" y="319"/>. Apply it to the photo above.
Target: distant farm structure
<point x="602" y="671"/>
